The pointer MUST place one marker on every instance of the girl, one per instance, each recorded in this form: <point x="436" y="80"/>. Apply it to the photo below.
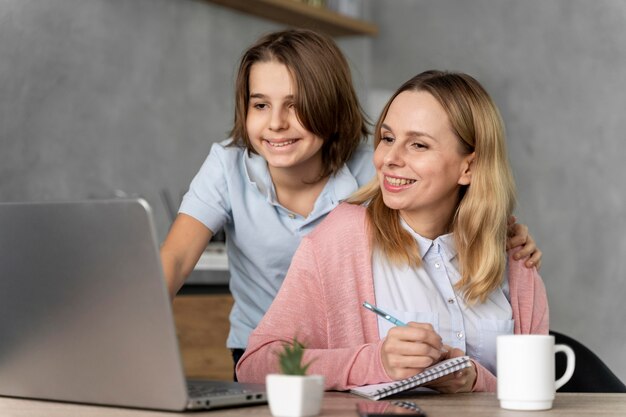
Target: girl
<point x="426" y="240"/>
<point x="297" y="150"/>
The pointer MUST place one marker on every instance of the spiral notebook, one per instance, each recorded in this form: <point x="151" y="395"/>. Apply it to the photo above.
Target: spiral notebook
<point x="378" y="391"/>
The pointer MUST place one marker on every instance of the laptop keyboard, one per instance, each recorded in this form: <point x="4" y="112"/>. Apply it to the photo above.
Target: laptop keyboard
<point x="201" y="389"/>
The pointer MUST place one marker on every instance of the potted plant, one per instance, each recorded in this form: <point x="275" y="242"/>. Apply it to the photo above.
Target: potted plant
<point x="293" y="393"/>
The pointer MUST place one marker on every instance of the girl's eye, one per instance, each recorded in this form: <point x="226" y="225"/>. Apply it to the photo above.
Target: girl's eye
<point x="386" y="138"/>
<point x="259" y="106"/>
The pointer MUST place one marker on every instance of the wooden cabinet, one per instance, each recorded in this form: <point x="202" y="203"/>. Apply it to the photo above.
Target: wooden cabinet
<point x="298" y="14"/>
<point x="202" y="326"/>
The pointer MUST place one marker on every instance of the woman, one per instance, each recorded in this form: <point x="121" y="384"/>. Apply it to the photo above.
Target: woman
<point x="425" y="240"/>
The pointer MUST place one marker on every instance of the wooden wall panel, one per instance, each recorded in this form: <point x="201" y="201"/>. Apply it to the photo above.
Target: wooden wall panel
<point x="202" y="326"/>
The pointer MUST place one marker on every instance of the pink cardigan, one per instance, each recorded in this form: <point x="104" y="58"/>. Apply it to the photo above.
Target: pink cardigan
<point x="320" y="303"/>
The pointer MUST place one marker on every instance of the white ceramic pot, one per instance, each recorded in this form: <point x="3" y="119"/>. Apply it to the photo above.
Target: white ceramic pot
<point x="293" y="395"/>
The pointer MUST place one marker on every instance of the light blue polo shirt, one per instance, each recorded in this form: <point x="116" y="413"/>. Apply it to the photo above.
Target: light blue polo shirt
<point x="233" y="190"/>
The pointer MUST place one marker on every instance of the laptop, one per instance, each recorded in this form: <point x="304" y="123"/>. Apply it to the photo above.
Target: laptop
<point x="85" y="315"/>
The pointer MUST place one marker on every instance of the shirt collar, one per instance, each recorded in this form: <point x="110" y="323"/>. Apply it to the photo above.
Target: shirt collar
<point x="255" y="167"/>
<point x="443" y="244"/>
<point x="342" y="184"/>
<point x="339" y="187"/>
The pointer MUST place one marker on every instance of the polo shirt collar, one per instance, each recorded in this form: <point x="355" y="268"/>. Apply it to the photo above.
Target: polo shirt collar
<point x="338" y="188"/>
<point x="342" y="184"/>
<point x="257" y="173"/>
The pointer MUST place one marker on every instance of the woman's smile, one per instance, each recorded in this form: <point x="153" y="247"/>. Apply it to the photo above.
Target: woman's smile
<point x="395" y="184"/>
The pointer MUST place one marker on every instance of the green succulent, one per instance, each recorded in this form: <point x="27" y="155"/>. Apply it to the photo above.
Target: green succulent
<point x="290" y="359"/>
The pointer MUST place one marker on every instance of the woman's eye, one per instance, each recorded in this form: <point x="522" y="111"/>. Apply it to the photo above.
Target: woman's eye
<point x="419" y="145"/>
<point x="387" y="139"/>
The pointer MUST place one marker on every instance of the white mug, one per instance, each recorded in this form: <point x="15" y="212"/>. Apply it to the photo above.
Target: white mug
<point x="525" y="367"/>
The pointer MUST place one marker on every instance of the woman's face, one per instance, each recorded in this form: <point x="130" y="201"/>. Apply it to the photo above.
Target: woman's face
<point x="419" y="162"/>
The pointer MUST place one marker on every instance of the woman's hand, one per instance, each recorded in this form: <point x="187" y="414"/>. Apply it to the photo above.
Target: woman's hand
<point x="408" y="350"/>
<point x="518" y="236"/>
<point x="459" y="381"/>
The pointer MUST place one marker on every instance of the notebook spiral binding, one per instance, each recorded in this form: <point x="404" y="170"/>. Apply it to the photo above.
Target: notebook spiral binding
<point x="428" y="375"/>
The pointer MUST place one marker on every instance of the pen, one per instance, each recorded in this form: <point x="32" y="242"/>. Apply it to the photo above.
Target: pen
<point x="382" y="314"/>
<point x="393" y="320"/>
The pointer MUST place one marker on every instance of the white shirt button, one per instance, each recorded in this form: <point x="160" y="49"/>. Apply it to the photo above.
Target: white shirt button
<point x="450" y="300"/>
<point x="459" y="335"/>
<point x="292" y="216"/>
<point x="437" y="265"/>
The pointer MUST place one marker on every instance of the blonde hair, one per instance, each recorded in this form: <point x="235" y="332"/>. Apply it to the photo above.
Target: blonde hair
<point x="479" y="224"/>
<point x="326" y="103"/>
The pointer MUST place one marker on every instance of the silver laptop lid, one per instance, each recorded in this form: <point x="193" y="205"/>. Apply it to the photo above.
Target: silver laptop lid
<point x="84" y="312"/>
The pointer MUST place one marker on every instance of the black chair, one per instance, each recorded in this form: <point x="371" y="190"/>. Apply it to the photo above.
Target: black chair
<point x="590" y="374"/>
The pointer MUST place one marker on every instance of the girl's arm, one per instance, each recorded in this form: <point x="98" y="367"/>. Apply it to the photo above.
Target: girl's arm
<point x="181" y="250"/>
<point x="518" y="236"/>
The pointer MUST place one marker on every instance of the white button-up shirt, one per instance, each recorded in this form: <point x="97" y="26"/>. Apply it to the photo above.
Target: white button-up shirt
<point x="427" y="295"/>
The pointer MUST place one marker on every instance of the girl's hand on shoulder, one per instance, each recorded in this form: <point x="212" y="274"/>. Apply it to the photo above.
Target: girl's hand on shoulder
<point x="408" y="350"/>
<point x="518" y="236"/>
<point x="459" y="381"/>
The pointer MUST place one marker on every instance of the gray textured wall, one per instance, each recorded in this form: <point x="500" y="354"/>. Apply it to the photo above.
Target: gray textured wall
<point x="557" y="70"/>
<point x="102" y="96"/>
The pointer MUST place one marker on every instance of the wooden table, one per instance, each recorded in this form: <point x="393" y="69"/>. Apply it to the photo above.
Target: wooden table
<point x="343" y="405"/>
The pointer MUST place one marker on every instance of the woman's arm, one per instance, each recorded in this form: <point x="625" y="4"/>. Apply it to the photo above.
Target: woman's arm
<point x="459" y="381"/>
<point x="408" y="350"/>
<point x="485" y="380"/>
<point x="324" y="314"/>
<point x="529" y="300"/>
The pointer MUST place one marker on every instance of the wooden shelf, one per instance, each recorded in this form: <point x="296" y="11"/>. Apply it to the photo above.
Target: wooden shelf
<point x="298" y="14"/>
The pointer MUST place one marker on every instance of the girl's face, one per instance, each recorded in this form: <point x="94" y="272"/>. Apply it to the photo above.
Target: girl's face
<point x="272" y="123"/>
<point x="419" y="162"/>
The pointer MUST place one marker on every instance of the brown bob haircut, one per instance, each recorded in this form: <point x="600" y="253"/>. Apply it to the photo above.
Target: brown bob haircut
<point x="326" y="103"/>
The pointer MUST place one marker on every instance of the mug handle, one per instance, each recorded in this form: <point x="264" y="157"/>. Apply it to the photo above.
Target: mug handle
<point x="571" y="364"/>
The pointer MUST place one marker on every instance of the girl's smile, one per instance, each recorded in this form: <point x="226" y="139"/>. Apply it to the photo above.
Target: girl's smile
<point x="273" y="126"/>
<point x="279" y="143"/>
